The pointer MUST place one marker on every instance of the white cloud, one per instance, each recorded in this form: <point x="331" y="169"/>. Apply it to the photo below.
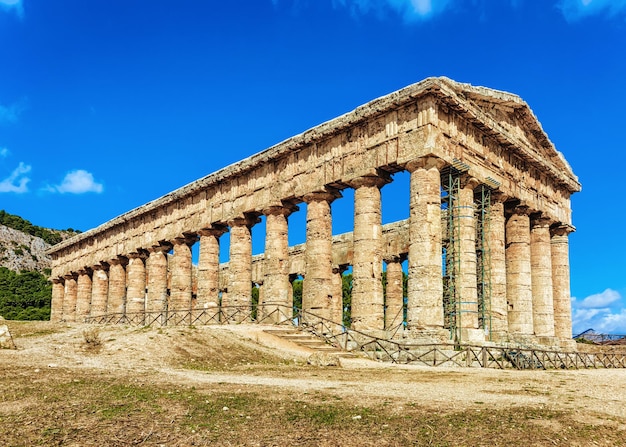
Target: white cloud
<point x="4" y="152"/>
<point x="574" y="10"/>
<point x="15" y="5"/>
<point x="599" y="300"/>
<point x="78" y="182"/>
<point x="16" y="182"/>
<point x="602" y="312"/>
<point x="410" y="10"/>
<point x="10" y="114"/>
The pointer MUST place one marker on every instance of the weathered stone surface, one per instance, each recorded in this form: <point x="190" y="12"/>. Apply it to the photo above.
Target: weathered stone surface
<point x="6" y="341"/>
<point x="518" y="273"/>
<point x="541" y="278"/>
<point x="425" y="287"/>
<point x="367" y="289"/>
<point x="559" y="245"/>
<point x="394" y="297"/>
<point x="498" y="318"/>
<point x="424" y="128"/>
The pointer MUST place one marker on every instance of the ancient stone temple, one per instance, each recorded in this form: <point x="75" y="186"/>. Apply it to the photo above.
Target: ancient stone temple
<point x="486" y="239"/>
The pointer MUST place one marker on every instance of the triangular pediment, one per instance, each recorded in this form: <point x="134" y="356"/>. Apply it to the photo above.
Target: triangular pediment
<point x="509" y="116"/>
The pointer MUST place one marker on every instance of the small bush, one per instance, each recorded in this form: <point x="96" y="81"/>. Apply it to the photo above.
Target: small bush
<point x="92" y="338"/>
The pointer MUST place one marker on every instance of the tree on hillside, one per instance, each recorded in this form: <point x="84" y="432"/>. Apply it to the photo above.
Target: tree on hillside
<point x="25" y="295"/>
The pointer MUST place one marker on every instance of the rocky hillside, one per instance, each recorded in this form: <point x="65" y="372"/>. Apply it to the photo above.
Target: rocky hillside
<point x="20" y="251"/>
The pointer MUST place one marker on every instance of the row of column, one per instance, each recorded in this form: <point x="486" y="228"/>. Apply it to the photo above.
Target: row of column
<point x="529" y="265"/>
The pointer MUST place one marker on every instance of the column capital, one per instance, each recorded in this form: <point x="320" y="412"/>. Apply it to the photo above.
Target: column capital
<point x="469" y="181"/>
<point x="163" y="247"/>
<point x="141" y="254"/>
<point x="539" y="221"/>
<point x="425" y="163"/>
<point x="285" y="209"/>
<point x="328" y="194"/>
<point x="186" y="238"/>
<point x="561" y="229"/>
<point x="119" y="260"/>
<point x="85" y="271"/>
<point x="213" y="230"/>
<point x="378" y="179"/>
<point x="58" y="280"/>
<point x="395" y="258"/>
<point x="340" y="268"/>
<point x="499" y="197"/>
<point x="248" y="220"/>
<point x="70" y="275"/>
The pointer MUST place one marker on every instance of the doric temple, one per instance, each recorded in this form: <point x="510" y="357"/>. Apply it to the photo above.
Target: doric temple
<point x="486" y="239"/>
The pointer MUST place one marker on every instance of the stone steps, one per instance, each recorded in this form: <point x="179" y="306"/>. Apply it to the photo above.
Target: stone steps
<point x="306" y="340"/>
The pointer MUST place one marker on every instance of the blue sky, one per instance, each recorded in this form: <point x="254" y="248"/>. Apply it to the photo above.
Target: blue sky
<point x="106" y="105"/>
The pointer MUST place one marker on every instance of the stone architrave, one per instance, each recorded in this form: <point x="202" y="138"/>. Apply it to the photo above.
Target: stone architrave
<point x="559" y="249"/>
<point x="116" y="303"/>
<point x="83" y="294"/>
<point x="394" y="297"/>
<point x="136" y="291"/>
<point x="541" y="277"/>
<point x="468" y="318"/>
<point x="156" y="264"/>
<point x="182" y="286"/>
<point x="317" y="287"/>
<point x="518" y="273"/>
<point x="58" y="292"/>
<point x="99" y="290"/>
<point x="239" y="300"/>
<point x="70" y="296"/>
<point x="207" y="302"/>
<point x="425" y="286"/>
<point x="368" y="302"/>
<point x="277" y="299"/>
<point x="498" y="318"/>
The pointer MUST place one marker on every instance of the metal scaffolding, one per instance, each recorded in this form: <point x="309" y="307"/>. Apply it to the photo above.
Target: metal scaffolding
<point x="451" y="261"/>
<point x="451" y="178"/>
<point x="482" y="201"/>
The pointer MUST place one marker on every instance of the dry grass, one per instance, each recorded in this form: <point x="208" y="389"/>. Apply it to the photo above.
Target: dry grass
<point x="185" y="403"/>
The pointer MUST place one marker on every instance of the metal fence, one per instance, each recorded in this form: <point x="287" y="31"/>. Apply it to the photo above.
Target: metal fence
<point x="394" y="349"/>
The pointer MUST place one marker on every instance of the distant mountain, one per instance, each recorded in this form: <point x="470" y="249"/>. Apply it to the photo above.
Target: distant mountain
<point x="20" y="251"/>
<point x="23" y="245"/>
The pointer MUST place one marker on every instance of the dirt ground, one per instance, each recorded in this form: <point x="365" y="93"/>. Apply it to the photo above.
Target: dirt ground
<point x="236" y="385"/>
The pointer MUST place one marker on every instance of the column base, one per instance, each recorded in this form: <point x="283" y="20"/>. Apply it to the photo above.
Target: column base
<point x="568" y="345"/>
<point x="472" y="335"/>
<point x="426" y="336"/>
<point x="548" y="342"/>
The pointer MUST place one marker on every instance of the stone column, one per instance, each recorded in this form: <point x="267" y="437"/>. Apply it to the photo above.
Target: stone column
<point x="336" y="310"/>
<point x="559" y="249"/>
<point x="394" y="297"/>
<point x="83" y="294"/>
<point x="240" y="270"/>
<point x="518" y="273"/>
<point x="116" y="303"/>
<point x="317" y="288"/>
<point x="56" y="307"/>
<point x="70" y="297"/>
<point x="368" y="302"/>
<point x="136" y="293"/>
<point x="425" y="287"/>
<point x="181" y="285"/>
<point x="156" y="301"/>
<point x="468" y="318"/>
<point x="277" y="293"/>
<point x="207" y="302"/>
<point x="99" y="289"/>
<point x="496" y="231"/>
<point x="541" y="277"/>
